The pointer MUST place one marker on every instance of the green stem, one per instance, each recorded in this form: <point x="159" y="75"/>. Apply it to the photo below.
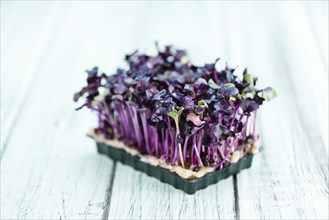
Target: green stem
<point x="179" y="144"/>
<point x="175" y="115"/>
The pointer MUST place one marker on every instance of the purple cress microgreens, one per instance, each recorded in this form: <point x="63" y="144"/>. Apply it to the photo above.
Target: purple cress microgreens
<point x="164" y="106"/>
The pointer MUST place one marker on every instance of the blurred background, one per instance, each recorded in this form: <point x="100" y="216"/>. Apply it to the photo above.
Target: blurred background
<point x="47" y="46"/>
<point x="270" y="38"/>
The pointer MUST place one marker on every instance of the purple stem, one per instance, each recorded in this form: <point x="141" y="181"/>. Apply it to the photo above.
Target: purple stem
<point x="117" y="116"/>
<point x="171" y="140"/>
<point x="236" y="113"/>
<point x="100" y="121"/>
<point x="254" y="127"/>
<point x="167" y="145"/>
<point x="174" y="147"/>
<point x="228" y="140"/>
<point x="192" y="151"/>
<point x="221" y="153"/>
<point x="244" y="130"/>
<point x="223" y="161"/>
<point x="214" y="152"/>
<point x="146" y="133"/>
<point x="197" y="153"/>
<point x="125" y="122"/>
<point x="137" y="127"/>
<point x="185" y="148"/>
<point x="240" y="119"/>
<point x="155" y="132"/>
<point x="163" y="141"/>
<point x="234" y="142"/>
<point x="109" y="120"/>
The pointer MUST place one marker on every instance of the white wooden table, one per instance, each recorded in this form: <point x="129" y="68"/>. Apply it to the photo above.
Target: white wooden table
<point x="50" y="170"/>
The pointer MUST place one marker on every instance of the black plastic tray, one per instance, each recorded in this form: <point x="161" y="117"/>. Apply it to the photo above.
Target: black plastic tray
<point x="189" y="186"/>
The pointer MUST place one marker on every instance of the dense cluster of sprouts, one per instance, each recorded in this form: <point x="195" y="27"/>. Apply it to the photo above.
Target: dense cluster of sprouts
<point x="164" y="106"/>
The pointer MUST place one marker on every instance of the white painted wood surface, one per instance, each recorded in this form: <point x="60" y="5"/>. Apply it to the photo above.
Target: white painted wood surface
<point x="50" y="170"/>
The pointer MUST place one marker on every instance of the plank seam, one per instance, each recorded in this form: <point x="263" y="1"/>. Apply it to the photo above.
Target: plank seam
<point x="236" y="197"/>
<point x="108" y="194"/>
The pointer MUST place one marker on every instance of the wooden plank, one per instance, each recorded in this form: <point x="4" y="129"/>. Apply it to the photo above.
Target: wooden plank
<point x="15" y="50"/>
<point x="50" y="170"/>
<point x="62" y="179"/>
<point x="138" y="196"/>
<point x="290" y="178"/>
